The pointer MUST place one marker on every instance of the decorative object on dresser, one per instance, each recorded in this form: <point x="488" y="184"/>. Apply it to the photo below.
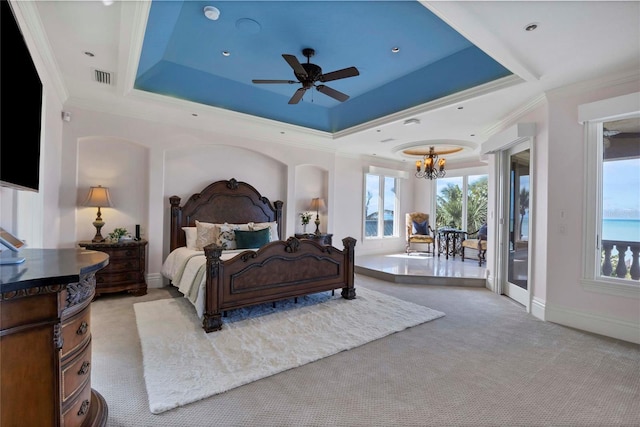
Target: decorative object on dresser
<point x="234" y="278"/>
<point x="322" y="238"/>
<point x="98" y="197"/>
<point x="125" y="272"/>
<point x="317" y="204"/>
<point x="45" y="340"/>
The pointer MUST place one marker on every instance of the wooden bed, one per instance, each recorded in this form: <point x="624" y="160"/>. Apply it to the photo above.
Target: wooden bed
<point x="279" y="270"/>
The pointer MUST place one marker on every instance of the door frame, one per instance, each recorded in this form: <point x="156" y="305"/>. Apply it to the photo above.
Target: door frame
<point x="494" y="148"/>
<point x="507" y="288"/>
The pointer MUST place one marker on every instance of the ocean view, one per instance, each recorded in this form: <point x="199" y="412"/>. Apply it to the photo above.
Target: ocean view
<point x="626" y="230"/>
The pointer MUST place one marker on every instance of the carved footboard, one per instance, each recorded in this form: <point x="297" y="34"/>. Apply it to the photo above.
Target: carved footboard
<point x="277" y="271"/>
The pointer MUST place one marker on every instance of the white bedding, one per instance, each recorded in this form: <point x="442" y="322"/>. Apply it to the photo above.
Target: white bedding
<point x="186" y="270"/>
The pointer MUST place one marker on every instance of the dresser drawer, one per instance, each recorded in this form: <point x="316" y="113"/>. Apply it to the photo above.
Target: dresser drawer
<point x="76" y="331"/>
<point x="76" y="373"/>
<point x="122" y="264"/>
<point x="79" y="409"/>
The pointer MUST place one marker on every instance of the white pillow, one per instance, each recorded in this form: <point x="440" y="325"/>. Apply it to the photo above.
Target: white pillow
<point x="272" y="225"/>
<point x="227" y="236"/>
<point x="206" y="233"/>
<point x="191" y="234"/>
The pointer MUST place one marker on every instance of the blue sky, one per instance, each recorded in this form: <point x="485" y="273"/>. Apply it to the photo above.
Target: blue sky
<point x="621" y="188"/>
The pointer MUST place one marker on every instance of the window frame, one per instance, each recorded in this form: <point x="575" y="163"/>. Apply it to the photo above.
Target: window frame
<point x="592" y="116"/>
<point x="396" y="224"/>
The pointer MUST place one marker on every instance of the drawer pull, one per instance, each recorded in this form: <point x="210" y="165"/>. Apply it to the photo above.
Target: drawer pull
<point x="84" y="369"/>
<point x="82" y="329"/>
<point x="84" y="408"/>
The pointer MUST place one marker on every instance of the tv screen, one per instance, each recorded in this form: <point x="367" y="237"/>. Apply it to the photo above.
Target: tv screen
<point x="20" y="107"/>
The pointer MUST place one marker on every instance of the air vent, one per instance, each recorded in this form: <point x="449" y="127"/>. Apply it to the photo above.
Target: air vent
<point x="103" y="77"/>
<point x="388" y="140"/>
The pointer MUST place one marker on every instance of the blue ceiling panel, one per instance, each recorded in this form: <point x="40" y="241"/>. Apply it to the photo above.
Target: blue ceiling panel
<point x="182" y="56"/>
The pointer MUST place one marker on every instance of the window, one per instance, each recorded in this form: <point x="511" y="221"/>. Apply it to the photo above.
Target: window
<point x="381" y="206"/>
<point x="612" y="200"/>
<point x="461" y="202"/>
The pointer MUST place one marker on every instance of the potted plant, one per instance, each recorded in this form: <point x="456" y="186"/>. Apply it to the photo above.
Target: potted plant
<point x="305" y="217"/>
<point x="119" y="234"/>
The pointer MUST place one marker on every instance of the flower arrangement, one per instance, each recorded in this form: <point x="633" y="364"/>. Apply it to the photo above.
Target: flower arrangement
<point x="117" y="233"/>
<point x="305" y="217"/>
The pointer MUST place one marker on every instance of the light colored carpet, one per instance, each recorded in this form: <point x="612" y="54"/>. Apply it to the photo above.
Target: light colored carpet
<point x="183" y="364"/>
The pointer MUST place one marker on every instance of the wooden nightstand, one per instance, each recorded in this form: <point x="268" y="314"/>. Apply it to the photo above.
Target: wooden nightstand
<point x="322" y="238"/>
<point x="125" y="272"/>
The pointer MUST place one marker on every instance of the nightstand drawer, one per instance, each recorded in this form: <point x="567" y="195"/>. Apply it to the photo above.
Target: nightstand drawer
<point x="117" y="278"/>
<point x="123" y="253"/>
<point x="125" y="264"/>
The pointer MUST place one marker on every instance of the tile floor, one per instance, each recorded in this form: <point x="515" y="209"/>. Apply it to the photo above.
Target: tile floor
<point x="422" y="268"/>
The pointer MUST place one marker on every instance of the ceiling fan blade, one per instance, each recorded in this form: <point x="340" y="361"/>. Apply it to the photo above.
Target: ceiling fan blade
<point x="340" y="74"/>
<point x="295" y="64"/>
<point x="332" y="93"/>
<point x="273" y="81"/>
<point x="297" y="96"/>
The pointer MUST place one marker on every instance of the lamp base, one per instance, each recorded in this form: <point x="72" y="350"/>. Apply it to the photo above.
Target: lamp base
<point x="98" y="237"/>
<point x="317" y="221"/>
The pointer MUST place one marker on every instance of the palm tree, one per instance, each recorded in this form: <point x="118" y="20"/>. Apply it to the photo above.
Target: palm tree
<point x="449" y="206"/>
<point x="477" y="204"/>
<point x="524" y="205"/>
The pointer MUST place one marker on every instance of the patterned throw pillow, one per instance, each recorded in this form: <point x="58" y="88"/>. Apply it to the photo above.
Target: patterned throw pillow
<point x="421" y="228"/>
<point x="252" y="239"/>
<point x="227" y="237"/>
<point x="206" y="233"/>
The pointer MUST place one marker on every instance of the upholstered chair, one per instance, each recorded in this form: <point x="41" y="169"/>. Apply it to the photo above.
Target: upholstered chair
<point x="477" y="241"/>
<point x="419" y="231"/>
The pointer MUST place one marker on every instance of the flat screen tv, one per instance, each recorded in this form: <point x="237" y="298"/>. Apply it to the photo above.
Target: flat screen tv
<point x="20" y="107"/>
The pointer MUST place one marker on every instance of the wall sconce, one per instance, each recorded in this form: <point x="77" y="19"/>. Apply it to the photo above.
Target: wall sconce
<point x="317" y="204"/>
<point x="98" y="197"/>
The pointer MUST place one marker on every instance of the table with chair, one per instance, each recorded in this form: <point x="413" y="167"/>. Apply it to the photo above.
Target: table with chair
<point x="450" y="241"/>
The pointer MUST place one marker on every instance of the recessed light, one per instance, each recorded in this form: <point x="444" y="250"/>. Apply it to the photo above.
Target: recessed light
<point x="411" y="122"/>
<point x="194" y="114"/>
<point x="531" y="27"/>
<point x="395" y="49"/>
<point x="211" y="12"/>
<point x="473" y="134"/>
<point x="226" y="53"/>
<point x="460" y="108"/>
<point x="89" y="54"/>
<point x="282" y="132"/>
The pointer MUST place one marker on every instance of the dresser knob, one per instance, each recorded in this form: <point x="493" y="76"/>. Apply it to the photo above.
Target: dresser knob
<point x="82" y="329"/>
<point x="84" y="369"/>
<point x="84" y="408"/>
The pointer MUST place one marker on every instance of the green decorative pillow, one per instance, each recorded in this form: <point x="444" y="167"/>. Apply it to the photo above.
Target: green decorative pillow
<point x="252" y="239"/>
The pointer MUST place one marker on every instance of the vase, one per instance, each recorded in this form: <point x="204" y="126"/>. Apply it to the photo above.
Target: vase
<point x="304" y="228"/>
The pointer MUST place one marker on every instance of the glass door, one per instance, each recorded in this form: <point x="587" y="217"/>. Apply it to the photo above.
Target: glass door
<point x="517" y="234"/>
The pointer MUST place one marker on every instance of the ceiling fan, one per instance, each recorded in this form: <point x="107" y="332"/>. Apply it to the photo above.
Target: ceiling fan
<point x="308" y="74"/>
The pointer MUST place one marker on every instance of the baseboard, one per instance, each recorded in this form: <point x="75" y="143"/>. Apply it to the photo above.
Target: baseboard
<point x="538" y="308"/>
<point x="607" y="326"/>
<point x="154" y="280"/>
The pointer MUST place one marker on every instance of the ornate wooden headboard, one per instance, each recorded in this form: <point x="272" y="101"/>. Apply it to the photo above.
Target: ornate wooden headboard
<point x="223" y="201"/>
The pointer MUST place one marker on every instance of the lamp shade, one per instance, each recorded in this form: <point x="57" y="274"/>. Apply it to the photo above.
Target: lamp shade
<point x="98" y="197"/>
<point x="317" y="204"/>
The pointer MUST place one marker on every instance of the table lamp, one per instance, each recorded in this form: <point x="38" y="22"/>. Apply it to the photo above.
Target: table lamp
<point x="317" y="204"/>
<point x="98" y="197"/>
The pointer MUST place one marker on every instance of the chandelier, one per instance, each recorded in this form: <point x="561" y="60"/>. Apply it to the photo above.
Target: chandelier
<point x="430" y="166"/>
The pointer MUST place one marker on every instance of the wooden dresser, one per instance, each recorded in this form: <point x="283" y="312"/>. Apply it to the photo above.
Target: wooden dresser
<point x="45" y="340"/>
<point x="125" y="272"/>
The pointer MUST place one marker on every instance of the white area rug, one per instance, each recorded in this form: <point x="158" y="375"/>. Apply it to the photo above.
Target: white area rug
<point x="183" y="364"/>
